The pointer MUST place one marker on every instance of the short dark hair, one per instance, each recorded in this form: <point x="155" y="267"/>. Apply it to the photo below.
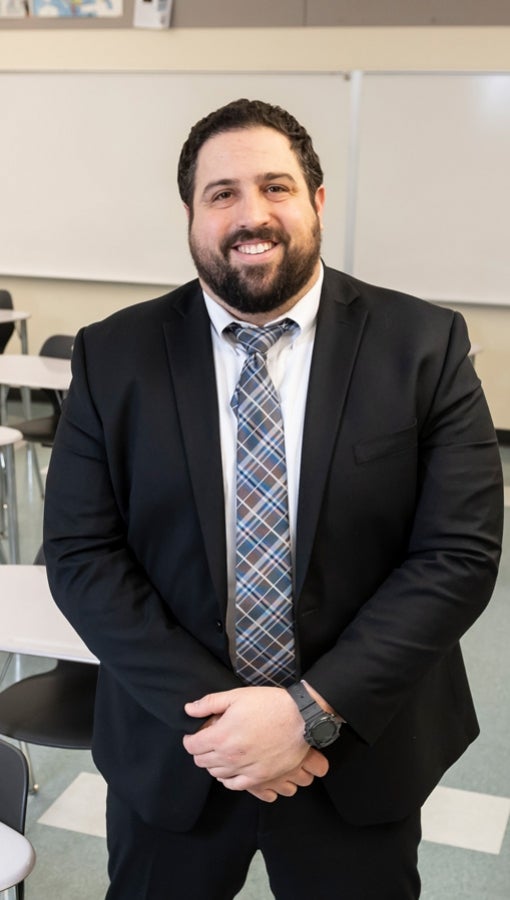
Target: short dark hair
<point x="248" y="114"/>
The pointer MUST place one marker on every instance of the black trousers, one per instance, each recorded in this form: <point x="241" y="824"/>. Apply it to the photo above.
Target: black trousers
<point x="310" y="853"/>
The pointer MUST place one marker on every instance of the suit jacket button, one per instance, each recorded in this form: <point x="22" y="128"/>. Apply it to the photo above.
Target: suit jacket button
<point x="219" y="625"/>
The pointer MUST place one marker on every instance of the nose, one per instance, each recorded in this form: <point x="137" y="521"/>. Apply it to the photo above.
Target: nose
<point x="253" y="209"/>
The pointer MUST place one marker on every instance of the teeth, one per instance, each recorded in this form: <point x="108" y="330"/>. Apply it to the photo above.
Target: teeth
<point x="254" y="248"/>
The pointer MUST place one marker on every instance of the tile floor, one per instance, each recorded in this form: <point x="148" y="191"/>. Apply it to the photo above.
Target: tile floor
<point x="465" y="854"/>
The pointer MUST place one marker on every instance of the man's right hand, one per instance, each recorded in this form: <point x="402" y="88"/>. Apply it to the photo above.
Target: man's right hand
<point x="314" y="765"/>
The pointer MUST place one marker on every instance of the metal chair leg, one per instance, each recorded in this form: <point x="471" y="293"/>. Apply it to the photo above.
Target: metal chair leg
<point x="33" y="786"/>
<point x="3" y="499"/>
<point x="12" y="534"/>
<point x="33" y="466"/>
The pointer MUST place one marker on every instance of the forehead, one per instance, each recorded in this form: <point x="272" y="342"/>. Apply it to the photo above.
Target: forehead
<point x="245" y="153"/>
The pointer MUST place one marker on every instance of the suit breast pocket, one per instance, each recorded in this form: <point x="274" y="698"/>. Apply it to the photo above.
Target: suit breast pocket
<point x="401" y="441"/>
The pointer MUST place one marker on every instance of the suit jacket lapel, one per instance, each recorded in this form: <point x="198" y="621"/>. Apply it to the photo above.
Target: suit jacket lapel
<point x="340" y="325"/>
<point x="339" y="329"/>
<point x="188" y="337"/>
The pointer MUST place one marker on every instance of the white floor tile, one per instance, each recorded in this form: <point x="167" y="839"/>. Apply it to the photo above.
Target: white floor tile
<point x="81" y="807"/>
<point x="465" y="819"/>
<point x="454" y="817"/>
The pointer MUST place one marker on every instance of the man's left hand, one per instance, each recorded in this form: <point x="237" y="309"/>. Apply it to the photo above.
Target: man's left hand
<point x="255" y="738"/>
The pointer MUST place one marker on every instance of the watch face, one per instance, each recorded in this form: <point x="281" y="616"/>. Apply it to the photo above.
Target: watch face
<point x="324" y="731"/>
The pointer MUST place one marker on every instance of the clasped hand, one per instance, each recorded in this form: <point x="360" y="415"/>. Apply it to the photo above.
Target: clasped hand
<point x="253" y="741"/>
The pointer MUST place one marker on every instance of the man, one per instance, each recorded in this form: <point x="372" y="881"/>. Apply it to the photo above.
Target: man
<point x="309" y="714"/>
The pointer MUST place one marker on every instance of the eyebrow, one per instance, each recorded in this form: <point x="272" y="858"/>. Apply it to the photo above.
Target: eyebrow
<point x="276" y="176"/>
<point x="221" y="182"/>
<point x="231" y="182"/>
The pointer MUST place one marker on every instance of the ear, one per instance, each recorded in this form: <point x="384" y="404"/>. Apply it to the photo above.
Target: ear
<point x="187" y="211"/>
<point x="319" y="201"/>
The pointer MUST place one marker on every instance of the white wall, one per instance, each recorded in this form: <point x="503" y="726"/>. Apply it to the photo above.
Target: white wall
<point x="65" y="305"/>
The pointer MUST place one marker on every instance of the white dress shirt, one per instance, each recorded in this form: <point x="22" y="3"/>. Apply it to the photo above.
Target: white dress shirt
<point x="288" y="363"/>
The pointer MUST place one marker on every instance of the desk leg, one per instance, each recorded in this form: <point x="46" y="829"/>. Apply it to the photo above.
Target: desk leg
<point x="21" y="328"/>
<point x="32" y="461"/>
<point x="12" y="504"/>
<point x="3" y="404"/>
<point x="23" y="336"/>
<point x="26" y="402"/>
<point x="3" y="503"/>
<point x="25" y="399"/>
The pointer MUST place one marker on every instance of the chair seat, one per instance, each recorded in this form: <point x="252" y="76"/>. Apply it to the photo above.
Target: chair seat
<point x="39" y="430"/>
<point x="17" y="857"/>
<point x="54" y="709"/>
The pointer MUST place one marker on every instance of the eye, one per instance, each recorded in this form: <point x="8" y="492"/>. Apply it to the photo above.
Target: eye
<point x="222" y="195"/>
<point x="277" y="192"/>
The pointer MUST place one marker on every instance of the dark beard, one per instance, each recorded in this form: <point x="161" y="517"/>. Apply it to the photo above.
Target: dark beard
<point x="246" y="291"/>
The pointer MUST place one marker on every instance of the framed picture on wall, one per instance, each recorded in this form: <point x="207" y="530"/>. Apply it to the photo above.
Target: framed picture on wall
<point x="37" y="14"/>
<point x="76" y="8"/>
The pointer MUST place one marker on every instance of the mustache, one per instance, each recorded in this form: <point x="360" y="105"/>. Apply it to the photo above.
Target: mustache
<point x="244" y="235"/>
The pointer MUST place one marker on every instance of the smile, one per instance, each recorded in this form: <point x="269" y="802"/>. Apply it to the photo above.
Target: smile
<point x="253" y="249"/>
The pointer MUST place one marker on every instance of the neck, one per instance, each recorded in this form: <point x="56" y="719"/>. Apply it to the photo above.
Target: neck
<point x="257" y="318"/>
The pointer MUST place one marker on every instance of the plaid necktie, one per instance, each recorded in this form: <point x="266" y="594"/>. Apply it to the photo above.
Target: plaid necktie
<point x="264" y="614"/>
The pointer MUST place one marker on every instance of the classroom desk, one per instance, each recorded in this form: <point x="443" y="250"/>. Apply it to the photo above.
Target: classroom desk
<point x="18" y="318"/>
<point x="27" y="371"/>
<point x="31" y="622"/>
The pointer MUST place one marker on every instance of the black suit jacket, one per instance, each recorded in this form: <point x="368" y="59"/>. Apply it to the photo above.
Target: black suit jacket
<point x="398" y="539"/>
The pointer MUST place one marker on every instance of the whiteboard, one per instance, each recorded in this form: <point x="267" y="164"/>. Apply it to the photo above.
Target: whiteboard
<point x="88" y="166"/>
<point x="433" y="186"/>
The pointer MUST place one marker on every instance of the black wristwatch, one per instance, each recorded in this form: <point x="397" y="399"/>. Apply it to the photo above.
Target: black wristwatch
<point x="321" y="728"/>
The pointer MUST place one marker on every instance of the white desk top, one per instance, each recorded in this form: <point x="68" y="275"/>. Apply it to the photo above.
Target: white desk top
<point x="9" y="436"/>
<point x="31" y="622"/>
<point x="25" y="370"/>
<point x="13" y="315"/>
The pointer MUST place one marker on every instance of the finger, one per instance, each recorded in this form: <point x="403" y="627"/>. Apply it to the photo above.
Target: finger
<point x="315" y="763"/>
<point x="265" y="794"/>
<point x="199" y="743"/>
<point x="210" y="762"/>
<point x="286" y="788"/>
<point x="211" y="704"/>
<point x="221" y="771"/>
<point x="237" y="783"/>
<point x="302" y="778"/>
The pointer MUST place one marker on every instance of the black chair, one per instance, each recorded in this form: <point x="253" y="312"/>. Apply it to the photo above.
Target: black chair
<point x="17" y="855"/>
<point x="42" y="430"/>
<point x="53" y="708"/>
<point x="6" y="328"/>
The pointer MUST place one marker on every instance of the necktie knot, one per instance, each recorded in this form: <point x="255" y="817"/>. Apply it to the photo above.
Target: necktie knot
<point x="255" y="339"/>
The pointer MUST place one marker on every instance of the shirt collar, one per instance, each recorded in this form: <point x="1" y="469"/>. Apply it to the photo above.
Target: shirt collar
<point x="304" y="312"/>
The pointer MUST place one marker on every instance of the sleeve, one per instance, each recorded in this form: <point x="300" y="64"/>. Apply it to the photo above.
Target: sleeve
<point x="450" y="564"/>
<point x="98" y="583"/>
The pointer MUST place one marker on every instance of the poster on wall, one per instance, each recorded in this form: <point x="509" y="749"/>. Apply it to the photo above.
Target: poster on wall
<point x="14" y="9"/>
<point x="152" y="13"/>
<point x="75" y="9"/>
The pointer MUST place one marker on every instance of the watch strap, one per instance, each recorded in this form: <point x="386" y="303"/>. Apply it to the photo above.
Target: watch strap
<point x="308" y="707"/>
